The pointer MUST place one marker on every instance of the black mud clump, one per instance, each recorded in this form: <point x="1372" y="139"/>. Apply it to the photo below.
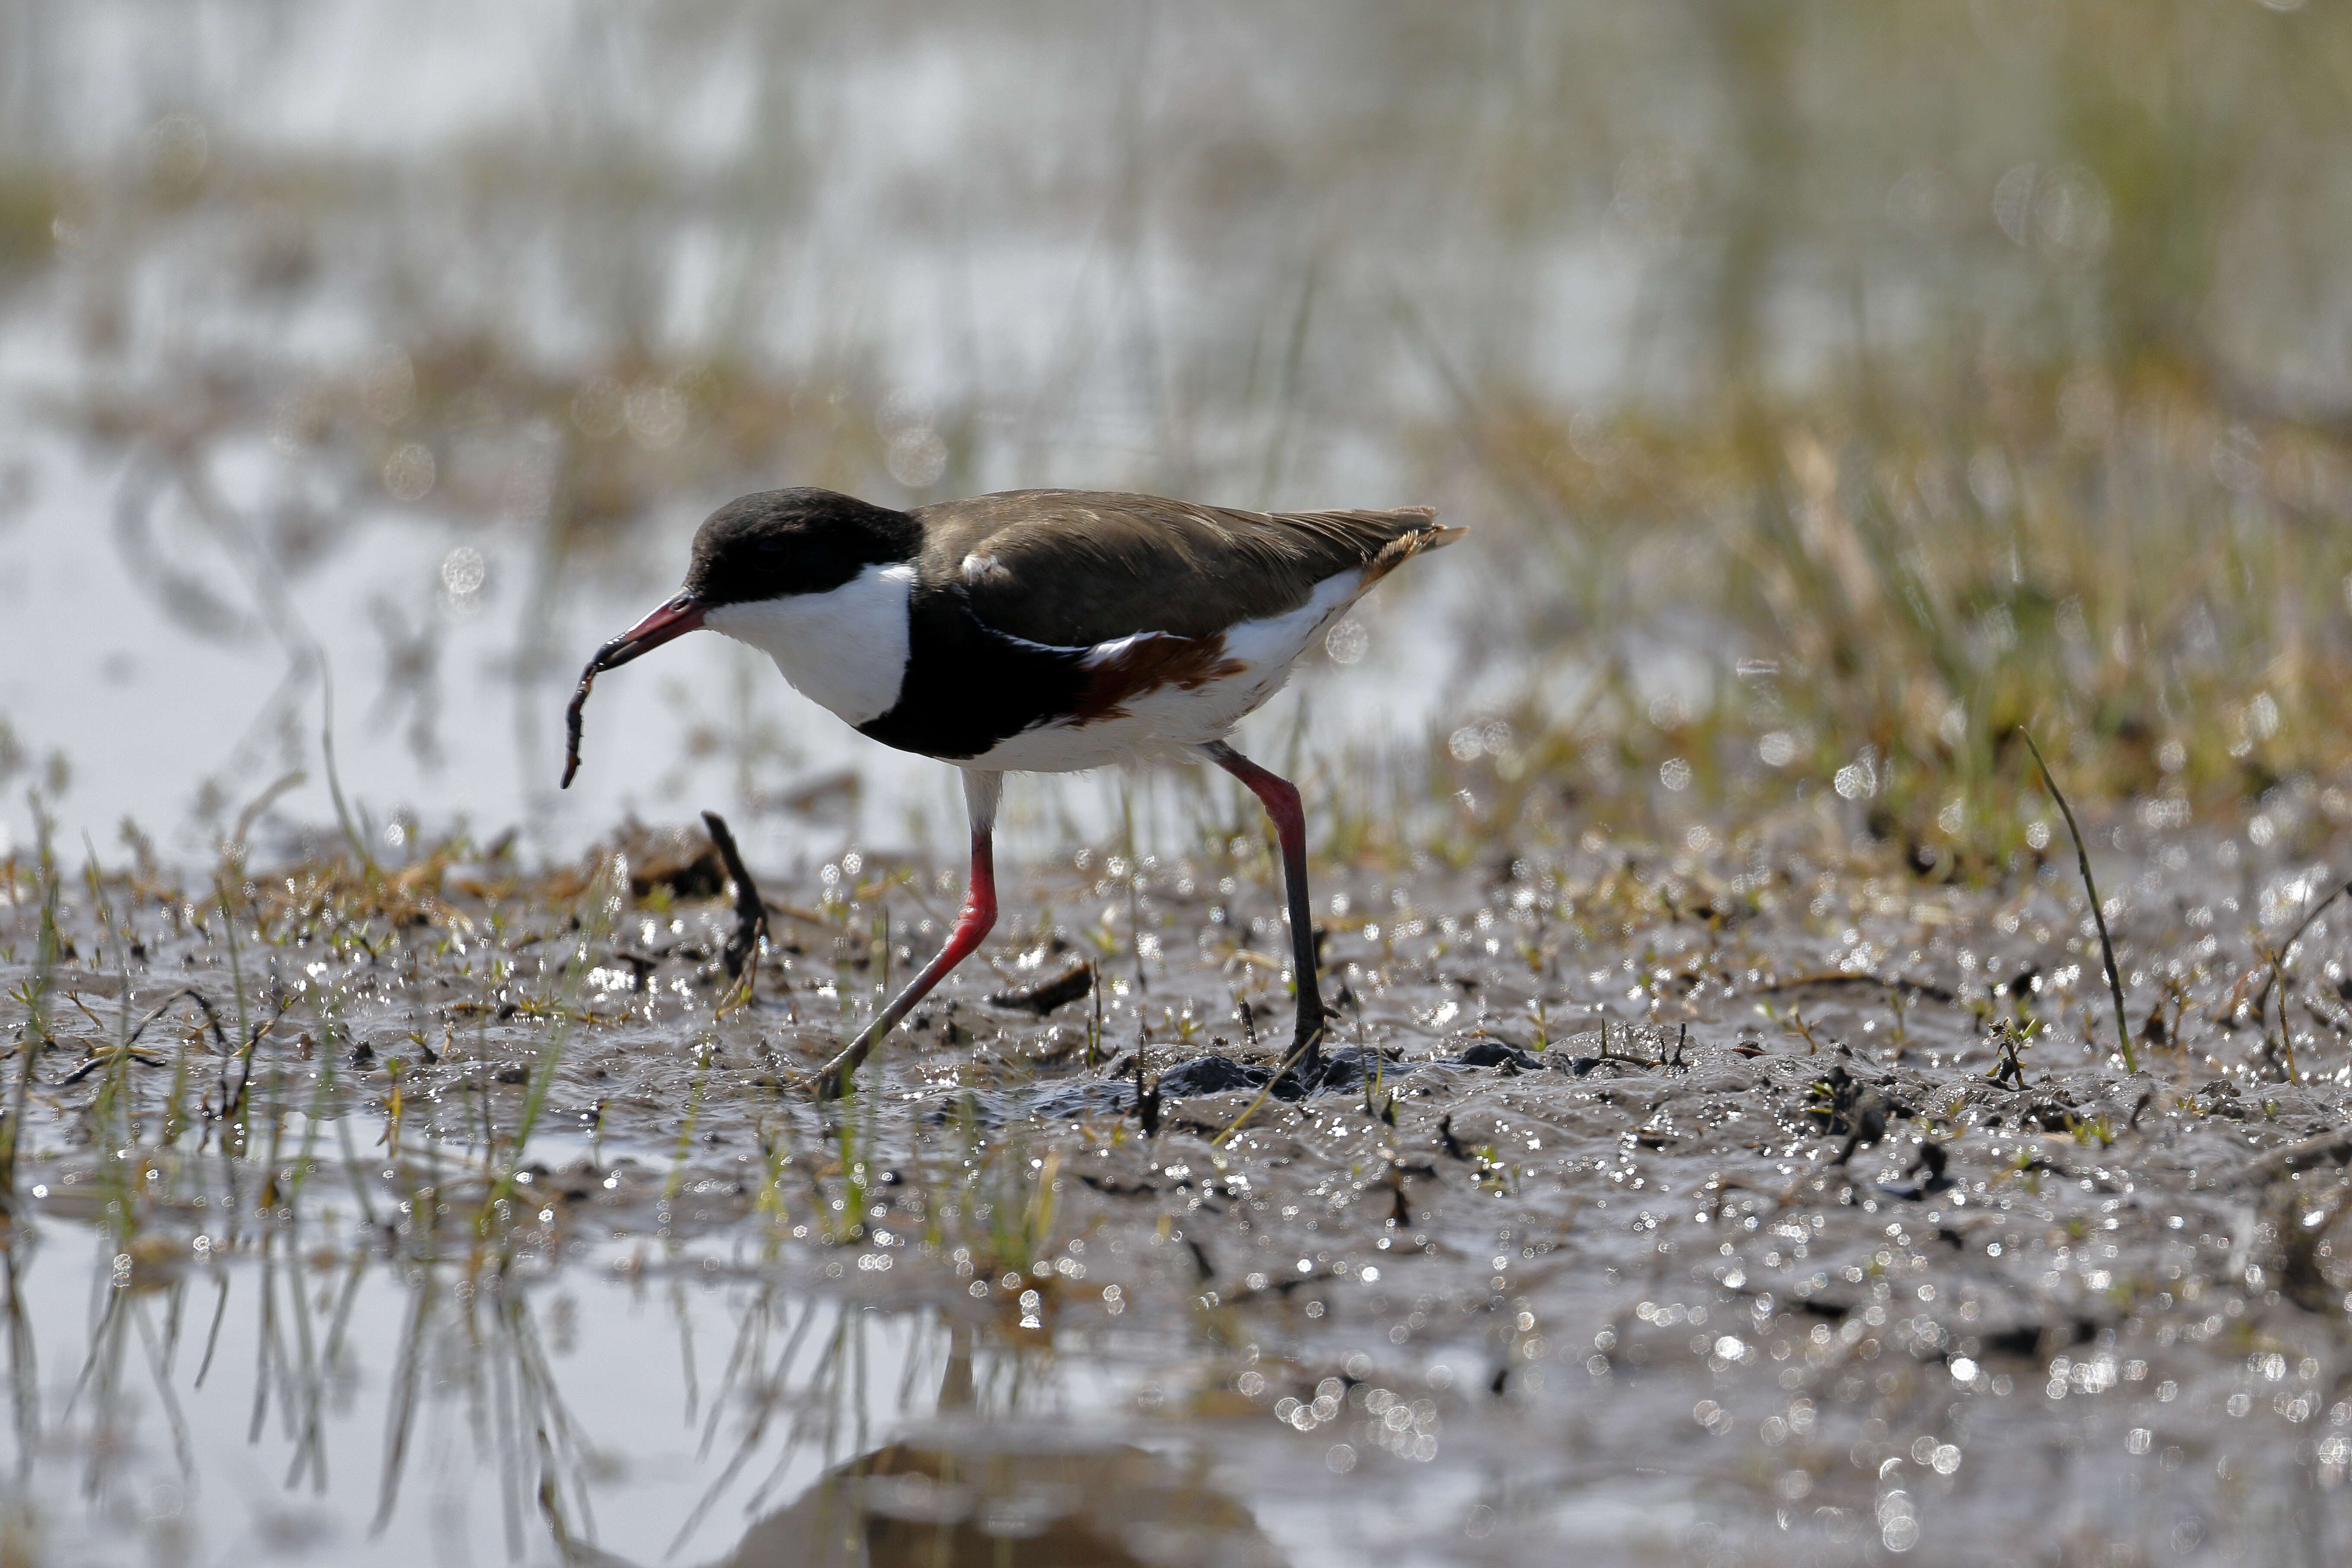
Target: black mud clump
<point x="1497" y="1054"/>
<point x="1211" y="1075"/>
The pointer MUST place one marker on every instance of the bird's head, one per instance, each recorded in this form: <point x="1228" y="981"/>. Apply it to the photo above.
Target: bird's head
<point x="757" y="550"/>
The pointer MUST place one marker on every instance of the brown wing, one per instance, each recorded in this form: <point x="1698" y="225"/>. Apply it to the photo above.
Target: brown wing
<point x="1074" y="568"/>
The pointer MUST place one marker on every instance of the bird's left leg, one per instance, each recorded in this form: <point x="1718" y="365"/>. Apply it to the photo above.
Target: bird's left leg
<point x="981" y="791"/>
<point x="1281" y="799"/>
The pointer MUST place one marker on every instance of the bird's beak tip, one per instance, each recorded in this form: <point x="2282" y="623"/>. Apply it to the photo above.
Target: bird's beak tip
<point x="680" y="615"/>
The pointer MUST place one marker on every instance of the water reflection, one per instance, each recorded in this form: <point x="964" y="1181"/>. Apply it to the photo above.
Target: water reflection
<point x="1008" y="1504"/>
<point x="314" y="1387"/>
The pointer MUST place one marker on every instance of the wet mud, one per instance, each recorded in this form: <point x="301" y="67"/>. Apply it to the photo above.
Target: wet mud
<point x="1769" y="1204"/>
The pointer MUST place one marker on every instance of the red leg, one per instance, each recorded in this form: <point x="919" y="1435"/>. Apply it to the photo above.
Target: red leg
<point x="1281" y="801"/>
<point x="971" y="927"/>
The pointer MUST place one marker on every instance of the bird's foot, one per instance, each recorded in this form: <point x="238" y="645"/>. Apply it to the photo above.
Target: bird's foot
<point x="1302" y="1071"/>
<point x="834" y="1082"/>
<point x="837" y="1079"/>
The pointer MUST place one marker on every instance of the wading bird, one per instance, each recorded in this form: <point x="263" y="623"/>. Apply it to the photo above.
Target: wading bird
<point x="1036" y="631"/>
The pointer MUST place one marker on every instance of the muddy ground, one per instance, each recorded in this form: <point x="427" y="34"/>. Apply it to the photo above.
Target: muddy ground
<point x="1758" y="1203"/>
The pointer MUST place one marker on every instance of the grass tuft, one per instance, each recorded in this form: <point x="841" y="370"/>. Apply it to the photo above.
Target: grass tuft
<point x="2098" y="915"/>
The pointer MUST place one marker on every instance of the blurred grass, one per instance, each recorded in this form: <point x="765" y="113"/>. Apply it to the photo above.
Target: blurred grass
<point x="1897" y="583"/>
<point x="1832" y="393"/>
<point x="2064" y="461"/>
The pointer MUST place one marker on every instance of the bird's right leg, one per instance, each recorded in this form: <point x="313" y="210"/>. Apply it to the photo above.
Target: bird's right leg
<point x="980" y="792"/>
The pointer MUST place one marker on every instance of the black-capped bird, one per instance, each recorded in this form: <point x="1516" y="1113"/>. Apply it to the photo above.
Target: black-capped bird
<point x="1036" y="631"/>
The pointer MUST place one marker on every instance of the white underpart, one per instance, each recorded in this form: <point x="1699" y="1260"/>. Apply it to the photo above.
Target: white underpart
<point x="981" y="791"/>
<point x="1168" y="721"/>
<point x="846" y="649"/>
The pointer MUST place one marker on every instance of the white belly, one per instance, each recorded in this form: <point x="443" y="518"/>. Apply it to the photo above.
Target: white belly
<point x="1167" y="721"/>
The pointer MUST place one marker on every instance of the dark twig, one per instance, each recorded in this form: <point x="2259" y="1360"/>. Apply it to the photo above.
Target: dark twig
<point x="190" y="993"/>
<point x="2098" y="915"/>
<point x="105" y="1055"/>
<point x="231" y="1104"/>
<point x="1044" y="997"/>
<point x="751" y="913"/>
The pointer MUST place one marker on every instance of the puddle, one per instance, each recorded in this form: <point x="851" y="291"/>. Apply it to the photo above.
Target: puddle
<point x="299" y="1392"/>
<point x="255" y="449"/>
<point x="322" y="1389"/>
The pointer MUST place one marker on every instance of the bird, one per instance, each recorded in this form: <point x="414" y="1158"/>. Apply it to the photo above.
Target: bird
<point x="1036" y="631"/>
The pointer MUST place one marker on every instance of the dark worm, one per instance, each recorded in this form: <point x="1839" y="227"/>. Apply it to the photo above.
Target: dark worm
<point x="572" y="715"/>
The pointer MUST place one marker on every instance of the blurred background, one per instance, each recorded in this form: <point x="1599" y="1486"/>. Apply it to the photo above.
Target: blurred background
<point x="1829" y="390"/>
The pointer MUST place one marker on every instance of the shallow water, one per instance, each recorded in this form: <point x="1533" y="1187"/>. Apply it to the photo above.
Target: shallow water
<point x="263" y="297"/>
<point x="1619" y="1293"/>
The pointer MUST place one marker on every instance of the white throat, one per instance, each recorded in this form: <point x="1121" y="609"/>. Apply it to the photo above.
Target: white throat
<point x="845" y="648"/>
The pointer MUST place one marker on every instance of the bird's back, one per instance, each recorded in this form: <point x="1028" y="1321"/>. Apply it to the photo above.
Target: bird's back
<point x="1077" y="568"/>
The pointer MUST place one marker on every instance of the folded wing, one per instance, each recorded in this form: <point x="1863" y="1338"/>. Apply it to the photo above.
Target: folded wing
<point x="1081" y="568"/>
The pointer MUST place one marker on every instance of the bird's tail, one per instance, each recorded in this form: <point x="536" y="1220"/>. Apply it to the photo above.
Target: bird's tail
<point x="1428" y="535"/>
